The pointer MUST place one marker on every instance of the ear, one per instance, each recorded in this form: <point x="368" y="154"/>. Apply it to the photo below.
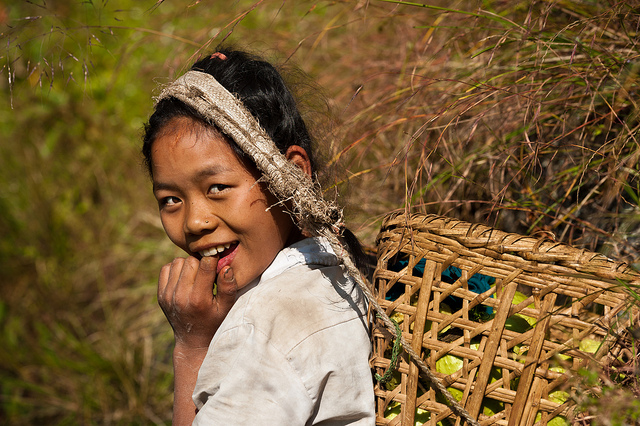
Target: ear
<point x="298" y="156"/>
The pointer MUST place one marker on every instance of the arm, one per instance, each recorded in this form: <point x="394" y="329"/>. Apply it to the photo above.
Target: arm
<point x="186" y="363"/>
<point x="185" y="294"/>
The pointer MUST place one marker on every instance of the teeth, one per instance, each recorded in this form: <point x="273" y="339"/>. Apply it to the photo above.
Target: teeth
<point x="215" y="250"/>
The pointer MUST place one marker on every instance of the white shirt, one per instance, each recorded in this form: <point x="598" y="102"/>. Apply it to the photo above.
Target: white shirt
<point x="293" y="350"/>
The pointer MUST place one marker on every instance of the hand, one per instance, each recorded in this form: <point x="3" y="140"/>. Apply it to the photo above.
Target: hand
<point x="185" y="294"/>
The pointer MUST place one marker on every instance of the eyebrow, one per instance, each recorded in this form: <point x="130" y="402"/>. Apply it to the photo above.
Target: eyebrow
<point x="210" y="171"/>
<point x="200" y="174"/>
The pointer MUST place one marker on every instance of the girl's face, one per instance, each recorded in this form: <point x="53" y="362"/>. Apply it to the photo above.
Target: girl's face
<point x="210" y="203"/>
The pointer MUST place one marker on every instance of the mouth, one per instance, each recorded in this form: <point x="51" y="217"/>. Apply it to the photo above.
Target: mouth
<point x="225" y="253"/>
<point x="217" y="250"/>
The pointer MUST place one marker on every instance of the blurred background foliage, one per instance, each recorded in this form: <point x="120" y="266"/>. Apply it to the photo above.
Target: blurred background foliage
<point x="518" y="114"/>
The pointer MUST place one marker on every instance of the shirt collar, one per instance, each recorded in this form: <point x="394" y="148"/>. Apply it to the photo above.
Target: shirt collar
<point x="310" y="251"/>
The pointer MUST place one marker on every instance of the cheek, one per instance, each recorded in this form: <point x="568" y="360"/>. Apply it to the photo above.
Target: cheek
<point x="280" y="218"/>
<point x="173" y="228"/>
<point x="267" y="211"/>
<point x="283" y="223"/>
<point x="277" y="229"/>
<point x="252" y="209"/>
<point x="261" y="216"/>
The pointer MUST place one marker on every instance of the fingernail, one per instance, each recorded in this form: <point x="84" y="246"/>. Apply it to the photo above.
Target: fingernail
<point x="228" y="274"/>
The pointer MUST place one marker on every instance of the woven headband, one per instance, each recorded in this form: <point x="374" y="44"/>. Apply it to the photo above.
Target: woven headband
<point x="286" y="181"/>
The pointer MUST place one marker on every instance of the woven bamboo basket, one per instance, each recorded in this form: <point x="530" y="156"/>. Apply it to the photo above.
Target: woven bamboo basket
<point x="503" y="320"/>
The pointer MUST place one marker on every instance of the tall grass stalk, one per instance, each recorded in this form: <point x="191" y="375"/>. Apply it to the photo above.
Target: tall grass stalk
<point x="521" y="115"/>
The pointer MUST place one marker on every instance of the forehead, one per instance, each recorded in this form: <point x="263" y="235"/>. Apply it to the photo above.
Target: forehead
<point x="185" y="146"/>
<point x="186" y="129"/>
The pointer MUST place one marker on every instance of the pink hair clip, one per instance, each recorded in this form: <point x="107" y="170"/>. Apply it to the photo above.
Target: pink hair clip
<point x="219" y="55"/>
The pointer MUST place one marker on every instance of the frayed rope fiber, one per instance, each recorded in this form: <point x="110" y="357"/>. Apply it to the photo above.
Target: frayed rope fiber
<point x="313" y="214"/>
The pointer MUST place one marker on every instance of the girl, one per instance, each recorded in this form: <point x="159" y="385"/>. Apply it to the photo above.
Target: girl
<point x="269" y="328"/>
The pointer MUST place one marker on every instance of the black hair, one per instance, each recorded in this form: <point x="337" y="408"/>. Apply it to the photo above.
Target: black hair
<point x="263" y="91"/>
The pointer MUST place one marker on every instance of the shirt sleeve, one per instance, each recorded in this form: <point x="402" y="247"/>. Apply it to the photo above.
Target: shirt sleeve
<point x="248" y="381"/>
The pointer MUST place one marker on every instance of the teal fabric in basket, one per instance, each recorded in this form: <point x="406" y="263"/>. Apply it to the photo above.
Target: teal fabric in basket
<point x="478" y="283"/>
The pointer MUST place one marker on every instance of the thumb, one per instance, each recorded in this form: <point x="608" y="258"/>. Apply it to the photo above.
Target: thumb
<point x="205" y="277"/>
<point x="227" y="288"/>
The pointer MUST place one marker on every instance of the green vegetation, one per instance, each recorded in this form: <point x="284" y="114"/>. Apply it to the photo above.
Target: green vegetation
<point x="520" y="114"/>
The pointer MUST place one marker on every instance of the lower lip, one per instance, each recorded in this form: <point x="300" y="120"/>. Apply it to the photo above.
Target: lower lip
<point x="228" y="257"/>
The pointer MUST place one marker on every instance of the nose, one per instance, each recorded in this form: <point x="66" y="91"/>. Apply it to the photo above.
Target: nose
<point x="199" y="218"/>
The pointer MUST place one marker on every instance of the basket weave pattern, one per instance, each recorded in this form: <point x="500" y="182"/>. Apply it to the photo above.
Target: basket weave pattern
<point x="506" y="350"/>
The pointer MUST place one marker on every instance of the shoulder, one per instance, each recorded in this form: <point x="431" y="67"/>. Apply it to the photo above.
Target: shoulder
<point x="302" y="301"/>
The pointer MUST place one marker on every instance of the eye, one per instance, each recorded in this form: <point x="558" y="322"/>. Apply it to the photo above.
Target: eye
<point x="217" y="188"/>
<point x="169" y="201"/>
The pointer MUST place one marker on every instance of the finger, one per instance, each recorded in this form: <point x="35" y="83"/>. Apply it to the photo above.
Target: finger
<point x="227" y="289"/>
<point x="184" y="286"/>
<point x="163" y="278"/>
<point x="174" y="269"/>
<point x="205" y="278"/>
